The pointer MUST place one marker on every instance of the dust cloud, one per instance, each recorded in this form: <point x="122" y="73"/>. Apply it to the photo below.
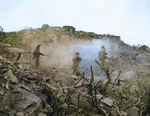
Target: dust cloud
<point x="58" y="56"/>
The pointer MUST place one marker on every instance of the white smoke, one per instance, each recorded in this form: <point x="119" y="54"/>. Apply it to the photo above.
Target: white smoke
<point x="61" y="55"/>
<point x="89" y="51"/>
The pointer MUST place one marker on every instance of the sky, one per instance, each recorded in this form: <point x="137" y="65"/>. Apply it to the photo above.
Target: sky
<point x="129" y="19"/>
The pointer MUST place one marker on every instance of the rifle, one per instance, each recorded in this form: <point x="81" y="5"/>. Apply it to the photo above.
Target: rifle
<point x="35" y="53"/>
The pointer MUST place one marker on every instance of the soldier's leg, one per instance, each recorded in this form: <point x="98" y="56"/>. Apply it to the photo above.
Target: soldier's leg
<point x="77" y="71"/>
<point x="74" y="70"/>
<point x="36" y="62"/>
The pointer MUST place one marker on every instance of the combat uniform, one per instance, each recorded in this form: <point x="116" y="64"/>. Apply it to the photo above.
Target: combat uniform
<point x="76" y="61"/>
<point x="102" y="59"/>
<point x="36" y="55"/>
<point x="102" y="54"/>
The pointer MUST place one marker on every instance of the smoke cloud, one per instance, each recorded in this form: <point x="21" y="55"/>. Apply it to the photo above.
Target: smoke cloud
<point x="89" y="51"/>
<point x="61" y="56"/>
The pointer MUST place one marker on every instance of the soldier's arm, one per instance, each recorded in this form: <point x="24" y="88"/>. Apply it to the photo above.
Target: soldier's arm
<point x="106" y="56"/>
<point x="42" y="54"/>
<point x="79" y="58"/>
<point x="73" y="59"/>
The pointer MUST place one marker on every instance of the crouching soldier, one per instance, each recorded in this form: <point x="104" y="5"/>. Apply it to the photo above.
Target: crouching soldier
<point x="76" y="61"/>
<point x="36" y="55"/>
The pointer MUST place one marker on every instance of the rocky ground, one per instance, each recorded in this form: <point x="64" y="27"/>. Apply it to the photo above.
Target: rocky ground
<point x="26" y="91"/>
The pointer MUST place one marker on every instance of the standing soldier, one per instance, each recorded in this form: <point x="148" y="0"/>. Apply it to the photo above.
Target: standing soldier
<point x="106" y="65"/>
<point x="102" y="53"/>
<point x="76" y="61"/>
<point x="36" y="55"/>
<point x="102" y="56"/>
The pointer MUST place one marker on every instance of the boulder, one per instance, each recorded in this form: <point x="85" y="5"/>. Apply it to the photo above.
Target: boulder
<point x="141" y="57"/>
<point x="27" y="101"/>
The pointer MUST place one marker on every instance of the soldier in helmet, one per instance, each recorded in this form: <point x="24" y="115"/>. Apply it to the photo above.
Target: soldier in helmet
<point x="102" y="53"/>
<point x="76" y="61"/>
<point x="36" y="55"/>
<point x="102" y="57"/>
<point x="105" y="64"/>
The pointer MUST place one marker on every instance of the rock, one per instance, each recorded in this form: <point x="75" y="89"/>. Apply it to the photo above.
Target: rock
<point x="140" y="58"/>
<point x="99" y="96"/>
<point x="19" y="114"/>
<point x="26" y="66"/>
<point x="133" y="111"/>
<point x="3" y="85"/>
<point x="20" y="66"/>
<point x="114" y="113"/>
<point x="8" y="45"/>
<point x="15" y="50"/>
<point x="32" y="76"/>
<point x="107" y="101"/>
<point x="123" y="113"/>
<point x="13" y="78"/>
<point x="41" y="114"/>
<point x="128" y="75"/>
<point x="1" y="92"/>
<point x="27" y="101"/>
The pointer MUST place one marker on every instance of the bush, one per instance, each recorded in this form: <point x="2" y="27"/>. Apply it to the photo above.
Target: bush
<point x="132" y="93"/>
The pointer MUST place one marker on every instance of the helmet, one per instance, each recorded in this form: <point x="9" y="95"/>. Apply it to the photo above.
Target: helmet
<point x="103" y="46"/>
<point x="77" y="53"/>
<point x="38" y="45"/>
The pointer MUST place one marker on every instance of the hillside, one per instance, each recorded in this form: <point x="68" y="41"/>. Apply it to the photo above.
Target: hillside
<point x="53" y="90"/>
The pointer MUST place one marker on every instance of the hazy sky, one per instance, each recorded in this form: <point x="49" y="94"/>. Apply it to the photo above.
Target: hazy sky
<point x="129" y="19"/>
